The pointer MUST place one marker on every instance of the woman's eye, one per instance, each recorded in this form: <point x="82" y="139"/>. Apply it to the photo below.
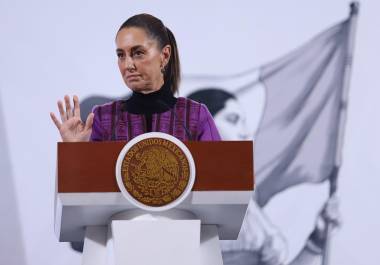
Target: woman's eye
<point x="232" y="118"/>
<point x="138" y="53"/>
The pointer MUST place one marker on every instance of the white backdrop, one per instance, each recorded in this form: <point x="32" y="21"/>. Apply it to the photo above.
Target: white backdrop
<point x="48" y="49"/>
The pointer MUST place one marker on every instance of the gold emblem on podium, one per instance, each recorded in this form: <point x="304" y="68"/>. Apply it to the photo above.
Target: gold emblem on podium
<point x="155" y="171"/>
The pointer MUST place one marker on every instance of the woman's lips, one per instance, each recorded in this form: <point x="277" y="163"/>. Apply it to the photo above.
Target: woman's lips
<point x="132" y="77"/>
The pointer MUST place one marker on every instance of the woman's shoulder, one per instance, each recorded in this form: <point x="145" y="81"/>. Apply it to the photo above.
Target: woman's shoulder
<point x="193" y="105"/>
<point x="108" y="105"/>
<point x="195" y="110"/>
<point x="107" y="108"/>
<point x="189" y="103"/>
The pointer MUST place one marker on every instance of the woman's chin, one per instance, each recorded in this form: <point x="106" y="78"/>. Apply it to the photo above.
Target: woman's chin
<point x="135" y="86"/>
<point x="141" y="90"/>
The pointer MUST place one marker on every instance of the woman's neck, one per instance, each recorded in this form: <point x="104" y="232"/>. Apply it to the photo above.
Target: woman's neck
<point x="153" y="88"/>
<point x="157" y="101"/>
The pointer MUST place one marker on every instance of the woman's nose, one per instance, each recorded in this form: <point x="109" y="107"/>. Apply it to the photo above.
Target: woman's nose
<point x="244" y="136"/>
<point x="244" y="133"/>
<point x="129" y="64"/>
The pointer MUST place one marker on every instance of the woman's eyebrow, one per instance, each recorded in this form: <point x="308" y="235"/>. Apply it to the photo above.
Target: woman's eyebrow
<point x="134" y="48"/>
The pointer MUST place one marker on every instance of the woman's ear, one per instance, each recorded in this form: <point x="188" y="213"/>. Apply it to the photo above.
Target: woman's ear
<point x="165" y="55"/>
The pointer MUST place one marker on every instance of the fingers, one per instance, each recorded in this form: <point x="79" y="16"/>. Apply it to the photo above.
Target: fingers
<point x="55" y="120"/>
<point x="69" y="112"/>
<point x="76" y="106"/>
<point x="66" y="112"/>
<point x="331" y="213"/>
<point x="62" y="112"/>
<point x="89" y="121"/>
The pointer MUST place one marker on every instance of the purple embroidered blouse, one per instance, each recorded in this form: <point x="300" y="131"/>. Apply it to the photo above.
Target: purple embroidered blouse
<point x="155" y="112"/>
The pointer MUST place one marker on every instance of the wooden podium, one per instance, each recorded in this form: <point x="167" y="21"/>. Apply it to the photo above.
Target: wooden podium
<point x="89" y="206"/>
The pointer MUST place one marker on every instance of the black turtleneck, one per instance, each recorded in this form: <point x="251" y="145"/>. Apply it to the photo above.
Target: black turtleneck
<point x="147" y="104"/>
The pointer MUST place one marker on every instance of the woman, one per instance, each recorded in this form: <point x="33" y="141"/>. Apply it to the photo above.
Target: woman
<point x="229" y="116"/>
<point x="148" y="61"/>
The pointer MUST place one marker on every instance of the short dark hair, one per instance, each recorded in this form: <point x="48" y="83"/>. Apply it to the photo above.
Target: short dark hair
<point x="214" y="98"/>
<point x="157" y="30"/>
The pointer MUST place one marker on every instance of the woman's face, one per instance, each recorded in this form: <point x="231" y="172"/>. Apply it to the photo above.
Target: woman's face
<point x="140" y="60"/>
<point x="231" y="121"/>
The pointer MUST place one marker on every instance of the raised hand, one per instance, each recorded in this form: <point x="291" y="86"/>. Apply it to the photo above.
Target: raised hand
<point x="71" y="127"/>
<point x="329" y="215"/>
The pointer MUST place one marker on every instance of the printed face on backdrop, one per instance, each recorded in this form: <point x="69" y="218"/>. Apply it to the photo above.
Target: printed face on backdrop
<point x="140" y="59"/>
<point x="231" y="121"/>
